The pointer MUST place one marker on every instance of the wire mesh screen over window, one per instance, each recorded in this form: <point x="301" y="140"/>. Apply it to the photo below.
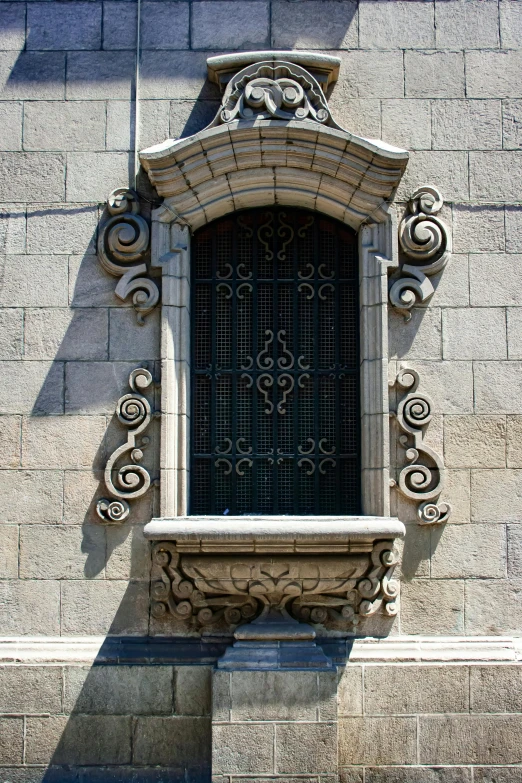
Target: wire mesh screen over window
<point x="275" y="409"/>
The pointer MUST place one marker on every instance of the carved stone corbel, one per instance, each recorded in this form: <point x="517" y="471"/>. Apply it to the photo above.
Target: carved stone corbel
<point x="130" y="481"/>
<point x="426" y="240"/>
<point x="123" y="241"/>
<point x="422" y="480"/>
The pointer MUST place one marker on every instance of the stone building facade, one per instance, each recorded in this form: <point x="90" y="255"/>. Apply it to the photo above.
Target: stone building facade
<point x="113" y="666"/>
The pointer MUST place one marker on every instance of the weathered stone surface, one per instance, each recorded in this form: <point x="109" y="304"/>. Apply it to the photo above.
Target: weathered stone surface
<point x="17" y="608"/>
<point x="100" y="75"/>
<point x="12" y="27"/>
<point x="11" y="333"/>
<point x="24" y="174"/>
<point x="448" y="169"/>
<point x="371" y="75"/>
<point x="452" y="284"/>
<point x="389" y="740"/>
<point x="496" y="495"/>
<point x="512" y="124"/>
<point x="8" y="551"/>
<point x="469" y="25"/>
<point x="498" y="387"/>
<point x="475" y="441"/>
<point x="510" y="26"/>
<point x="178" y="742"/>
<point x="66" y="334"/>
<point x="270" y="696"/>
<point x="494" y="278"/>
<point x="413" y="689"/>
<point x="306" y="747"/>
<point x="32" y="75"/>
<point x="27" y="689"/>
<point x="154" y="124"/>
<point x="33" y="281"/>
<point x="119" y="25"/>
<point x="496" y="688"/>
<point x="465" y="739"/>
<point x="31" y="387"/>
<point x="513" y="229"/>
<point x="514" y="332"/>
<point x="130" y="341"/>
<point x="75" y="125"/>
<point x="478" y="229"/>
<point x="90" y="285"/>
<point x="188" y="117"/>
<point x="514" y="442"/>
<point x="420" y="338"/>
<point x="350" y="690"/>
<point x="166" y="25"/>
<point x="64" y="26"/>
<point x="221" y="24"/>
<point x="461" y="125"/>
<point x="469" y="551"/>
<point x="11" y="746"/>
<point x="12" y="228"/>
<point x="128" y="551"/>
<point x="100" y="607"/>
<point x="91" y="175"/>
<point x="417" y="775"/>
<point x="95" y="387"/>
<point x="474" y="334"/>
<point x="358" y="115"/>
<point x="243" y="749"/>
<point x="434" y="75"/>
<point x="407" y="124"/>
<point x="78" y="739"/>
<point x="31" y="496"/>
<point x="432" y="607"/>
<point x="119" y="690"/>
<point x="483" y="599"/>
<point x="493" y="74"/>
<point x="496" y="774"/>
<point x="11" y="119"/>
<point x="318" y="25"/>
<point x="493" y="175"/>
<point x="82" y="489"/>
<point x="402" y="25"/>
<point x="175" y="75"/>
<point x="61" y="552"/>
<point x="193" y="690"/>
<point x="61" y="229"/>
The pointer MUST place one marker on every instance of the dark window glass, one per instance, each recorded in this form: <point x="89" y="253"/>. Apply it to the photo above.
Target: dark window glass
<point x="275" y="369"/>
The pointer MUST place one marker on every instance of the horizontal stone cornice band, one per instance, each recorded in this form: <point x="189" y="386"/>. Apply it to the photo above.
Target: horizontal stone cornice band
<point x="248" y="164"/>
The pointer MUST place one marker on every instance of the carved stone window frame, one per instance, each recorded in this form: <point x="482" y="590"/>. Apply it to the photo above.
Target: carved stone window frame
<point x="237" y="163"/>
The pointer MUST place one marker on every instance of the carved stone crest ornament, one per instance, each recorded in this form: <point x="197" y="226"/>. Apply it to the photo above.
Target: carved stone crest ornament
<point x="123" y="242"/>
<point x="131" y="480"/>
<point x="422" y="480"/>
<point x="426" y="242"/>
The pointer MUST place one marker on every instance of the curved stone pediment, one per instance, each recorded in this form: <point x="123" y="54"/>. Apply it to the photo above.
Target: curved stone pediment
<point x="274" y="140"/>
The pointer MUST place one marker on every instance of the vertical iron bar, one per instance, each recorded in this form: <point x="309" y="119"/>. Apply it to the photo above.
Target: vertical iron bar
<point x="316" y="365"/>
<point x="213" y="383"/>
<point x="234" y="338"/>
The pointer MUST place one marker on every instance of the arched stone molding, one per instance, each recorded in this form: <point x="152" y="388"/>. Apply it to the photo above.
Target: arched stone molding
<point x="250" y="157"/>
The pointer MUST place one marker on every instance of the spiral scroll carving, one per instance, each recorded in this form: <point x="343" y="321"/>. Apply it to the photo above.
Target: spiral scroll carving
<point x="122" y="244"/>
<point x="422" y="480"/>
<point x="274" y="90"/>
<point x="426" y="240"/>
<point x="131" y="480"/>
<point x="335" y="592"/>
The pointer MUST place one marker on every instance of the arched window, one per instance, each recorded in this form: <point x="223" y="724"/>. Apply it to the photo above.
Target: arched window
<point x="275" y="365"/>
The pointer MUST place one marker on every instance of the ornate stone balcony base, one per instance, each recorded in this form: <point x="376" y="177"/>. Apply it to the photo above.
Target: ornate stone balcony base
<point x="272" y="581"/>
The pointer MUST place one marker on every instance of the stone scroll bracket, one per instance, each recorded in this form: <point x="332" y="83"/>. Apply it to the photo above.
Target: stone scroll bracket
<point x="123" y="244"/>
<point x="422" y="479"/>
<point x="130" y="480"/>
<point x="425" y="242"/>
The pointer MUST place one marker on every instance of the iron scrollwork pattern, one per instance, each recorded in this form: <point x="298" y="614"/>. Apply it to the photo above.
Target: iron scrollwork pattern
<point x="422" y="480"/>
<point x="275" y="366"/>
<point x="123" y="242"/>
<point x="426" y="241"/>
<point x="217" y="592"/>
<point x="131" y="480"/>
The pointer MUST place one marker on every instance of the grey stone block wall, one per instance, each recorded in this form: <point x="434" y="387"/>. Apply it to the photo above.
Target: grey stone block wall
<point x="438" y="77"/>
